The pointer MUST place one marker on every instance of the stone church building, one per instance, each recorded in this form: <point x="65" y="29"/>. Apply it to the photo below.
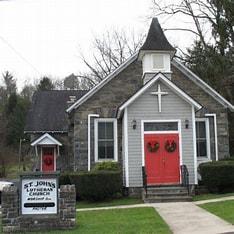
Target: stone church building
<point x="152" y="115"/>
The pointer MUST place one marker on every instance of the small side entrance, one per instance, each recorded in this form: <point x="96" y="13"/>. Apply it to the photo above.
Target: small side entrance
<point x="162" y="153"/>
<point x="48" y="159"/>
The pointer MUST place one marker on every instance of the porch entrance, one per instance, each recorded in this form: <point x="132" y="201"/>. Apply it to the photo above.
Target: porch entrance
<point x="48" y="159"/>
<point x="162" y="156"/>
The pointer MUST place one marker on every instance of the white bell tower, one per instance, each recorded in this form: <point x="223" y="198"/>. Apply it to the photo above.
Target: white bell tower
<point x="156" y="53"/>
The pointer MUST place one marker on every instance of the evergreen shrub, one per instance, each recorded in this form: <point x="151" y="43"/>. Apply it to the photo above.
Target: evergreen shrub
<point x="218" y="176"/>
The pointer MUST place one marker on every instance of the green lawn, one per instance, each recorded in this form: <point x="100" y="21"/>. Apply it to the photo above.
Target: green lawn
<point x="222" y="209"/>
<point x="13" y="171"/>
<point x="129" y="221"/>
<point x="114" y="202"/>
<point x="211" y="196"/>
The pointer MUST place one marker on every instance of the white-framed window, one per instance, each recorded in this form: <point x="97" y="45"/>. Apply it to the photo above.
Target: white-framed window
<point x="105" y="134"/>
<point x="203" y="138"/>
<point x="158" y="62"/>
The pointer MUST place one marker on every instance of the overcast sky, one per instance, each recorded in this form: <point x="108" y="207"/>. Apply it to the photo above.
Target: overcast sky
<point x="44" y="37"/>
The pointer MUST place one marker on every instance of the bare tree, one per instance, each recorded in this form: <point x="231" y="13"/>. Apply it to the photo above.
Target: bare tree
<point x="214" y="17"/>
<point x="110" y="50"/>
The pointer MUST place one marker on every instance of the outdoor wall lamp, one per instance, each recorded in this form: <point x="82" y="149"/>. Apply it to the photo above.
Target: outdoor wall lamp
<point x="186" y="123"/>
<point x="134" y="124"/>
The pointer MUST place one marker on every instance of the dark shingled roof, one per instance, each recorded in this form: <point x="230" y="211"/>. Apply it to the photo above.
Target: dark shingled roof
<point x="48" y="110"/>
<point x="156" y="39"/>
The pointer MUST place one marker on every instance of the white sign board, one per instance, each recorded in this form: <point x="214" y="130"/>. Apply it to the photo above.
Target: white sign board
<point x="39" y="196"/>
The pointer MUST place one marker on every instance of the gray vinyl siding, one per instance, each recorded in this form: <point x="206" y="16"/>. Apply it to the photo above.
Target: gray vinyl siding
<point x="145" y="107"/>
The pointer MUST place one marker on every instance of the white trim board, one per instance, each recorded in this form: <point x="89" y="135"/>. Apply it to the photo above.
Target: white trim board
<point x="202" y="84"/>
<point x="103" y="82"/>
<point x="216" y="136"/>
<point x="114" y="121"/>
<point x="194" y="145"/>
<point x="125" y="123"/>
<point x="167" y="82"/>
<point x="207" y="129"/>
<point x="89" y="138"/>
<point x="51" y="140"/>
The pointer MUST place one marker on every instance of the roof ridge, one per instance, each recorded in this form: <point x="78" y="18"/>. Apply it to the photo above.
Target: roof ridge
<point x="109" y="77"/>
<point x="206" y="87"/>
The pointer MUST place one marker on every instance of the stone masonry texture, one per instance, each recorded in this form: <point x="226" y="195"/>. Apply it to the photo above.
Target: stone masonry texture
<point x="13" y="221"/>
<point x="105" y="103"/>
<point x="107" y="100"/>
<point x="210" y="105"/>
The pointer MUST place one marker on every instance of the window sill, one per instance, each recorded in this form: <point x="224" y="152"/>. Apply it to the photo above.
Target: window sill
<point x="203" y="159"/>
<point x="106" y="160"/>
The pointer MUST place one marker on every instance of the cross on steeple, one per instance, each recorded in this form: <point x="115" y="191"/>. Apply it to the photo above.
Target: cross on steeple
<point x="159" y="93"/>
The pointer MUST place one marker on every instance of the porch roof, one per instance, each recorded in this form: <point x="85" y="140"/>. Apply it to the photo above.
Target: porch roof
<point x="46" y="139"/>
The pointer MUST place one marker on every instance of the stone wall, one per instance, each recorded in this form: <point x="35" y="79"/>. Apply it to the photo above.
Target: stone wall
<point x="107" y="100"/>
<point x="13" y="221"/>
<point x="105" y="103"/>
<point x="210" y="106"/>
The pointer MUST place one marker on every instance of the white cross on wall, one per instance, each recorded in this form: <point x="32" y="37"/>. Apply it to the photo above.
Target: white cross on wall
<point x="159" y="93"/>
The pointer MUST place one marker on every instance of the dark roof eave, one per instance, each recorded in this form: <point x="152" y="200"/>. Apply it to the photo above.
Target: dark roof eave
<point x="43" y="131"/>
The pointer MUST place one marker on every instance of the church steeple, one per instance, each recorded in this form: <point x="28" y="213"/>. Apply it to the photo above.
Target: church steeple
<point x="156" y="52"/>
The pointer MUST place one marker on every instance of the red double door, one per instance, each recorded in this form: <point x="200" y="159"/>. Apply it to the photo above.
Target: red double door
<point x="48" y="159"/>
<point x="162" y="162"/>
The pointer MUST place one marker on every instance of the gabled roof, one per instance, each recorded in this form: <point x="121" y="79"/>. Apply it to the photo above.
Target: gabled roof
<point x="202" y="84"/>
<point x="103" y="82"/>
<point x="188" y="73"/>
<point x="156" y="39"/>
<point x="46" y="139"/>
<point x="47" y="112"/>
<point x="167" y="82"/>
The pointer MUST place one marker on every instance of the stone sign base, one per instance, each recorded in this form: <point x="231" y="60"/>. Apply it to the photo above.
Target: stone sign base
<point x="12" y="221"/>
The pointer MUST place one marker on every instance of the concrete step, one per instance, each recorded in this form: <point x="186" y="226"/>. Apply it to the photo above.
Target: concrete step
<point x="161" y="188"/>
<point x="167" y="191"/>
<point x="168" y="199"/>
<point x="167" y="194"/>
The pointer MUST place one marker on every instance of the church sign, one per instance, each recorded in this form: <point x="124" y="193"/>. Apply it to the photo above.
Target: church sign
<point x="39" y="194"/>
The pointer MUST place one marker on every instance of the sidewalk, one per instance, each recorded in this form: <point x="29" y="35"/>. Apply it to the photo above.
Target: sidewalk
<point x="184" y="217"/>
<point x="152" y="204"/>
<point x="116" y="207"/>
<point x="214" y="200"/>
<point x="187" y="218"/>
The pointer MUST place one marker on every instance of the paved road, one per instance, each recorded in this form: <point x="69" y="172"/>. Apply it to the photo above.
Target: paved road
<point x="187" y="218"/>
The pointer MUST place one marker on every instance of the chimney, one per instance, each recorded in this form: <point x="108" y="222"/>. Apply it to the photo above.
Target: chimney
<point x="71" y="100"/>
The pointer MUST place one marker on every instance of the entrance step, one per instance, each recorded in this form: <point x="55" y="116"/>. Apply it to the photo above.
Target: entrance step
<point x="166" y="194"/>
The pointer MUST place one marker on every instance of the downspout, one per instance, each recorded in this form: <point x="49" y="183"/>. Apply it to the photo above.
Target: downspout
<point x="215" y="133"/>
<point x="89" y="140"/>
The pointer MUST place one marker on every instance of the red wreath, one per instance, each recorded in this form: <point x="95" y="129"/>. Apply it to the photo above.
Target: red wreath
<point x="48" y="161"/>
<point x="170" y="146"/>
<point x="153" y="146"/>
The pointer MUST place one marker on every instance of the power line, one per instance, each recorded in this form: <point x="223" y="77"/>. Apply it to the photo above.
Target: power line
<point x="19" y="54"/>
